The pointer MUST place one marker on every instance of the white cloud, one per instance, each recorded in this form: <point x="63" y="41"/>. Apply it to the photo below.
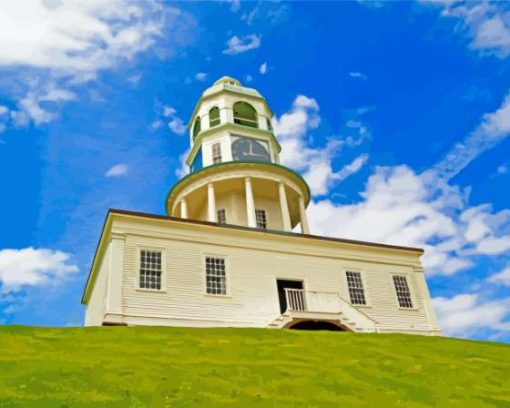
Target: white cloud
<point x="486" y="23"/>
<point x="357" y="75"/>
<point x="183" y="169"/>
<point x="58" y="45"/>
<point x="3" y="110"/>
<point x="465" y="313"/>
<point x="263" y="68"/>
<point x="177" y="126"/>
<point x="238" y="45"/>
<point x="493" y="129"/>
<point x="501" y="277"/>
<point x="504" y="169"/>
<point x="168" y="111"/>
<point x="315" y="163"/>
<point x="201" y="76"/>
<point x="117" y="170"/>
<point x="351" y="168"/>
<point x="74" y="37"/>
<point x="404" y="208"/>
<point x="156" y="124"/>
<point x="29" y="108"/>
<point x="33" y="267"/>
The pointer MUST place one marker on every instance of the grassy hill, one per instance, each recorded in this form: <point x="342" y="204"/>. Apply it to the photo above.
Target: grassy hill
<point x="152" y="366"/>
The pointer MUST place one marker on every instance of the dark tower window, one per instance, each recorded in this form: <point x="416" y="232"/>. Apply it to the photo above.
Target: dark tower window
<point x="196" y="128"/>
<point x="214" y="117"/>
<point x="245" y="114"/>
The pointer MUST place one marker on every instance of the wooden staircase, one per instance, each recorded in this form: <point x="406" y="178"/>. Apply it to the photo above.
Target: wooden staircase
<point x="322" y="306"/>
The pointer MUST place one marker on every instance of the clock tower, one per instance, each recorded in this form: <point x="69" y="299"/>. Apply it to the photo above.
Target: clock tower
<point x="235" y="177"/>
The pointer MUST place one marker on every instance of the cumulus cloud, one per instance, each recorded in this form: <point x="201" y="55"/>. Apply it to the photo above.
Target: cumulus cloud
<point x="238" y="45"/>
<point x="117" y="170"/>
<point x="73" y="37"/>
<point x="29" y="107"/>
<point x="401" y="207"/>
<point x="57" y="45"/>
<point x="407" y="208"/>
<point x="175" y="124"/>
<point x="464" y="314"/>
<point x="263" y="68"/>
<point x="33" y="267"/>
<point x="316" y="163"/>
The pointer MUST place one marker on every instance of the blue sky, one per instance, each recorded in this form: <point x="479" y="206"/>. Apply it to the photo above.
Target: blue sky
<point x="397" y="114"/>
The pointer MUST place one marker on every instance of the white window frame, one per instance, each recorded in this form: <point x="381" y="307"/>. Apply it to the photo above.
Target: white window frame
<point x="139" y="250"/>
<point x="345" y="285"/>
<point x="216" y="156"/>
<point x="227" y="275"/>
<point x="364" y="287"/>
<point x="411" y="291"/>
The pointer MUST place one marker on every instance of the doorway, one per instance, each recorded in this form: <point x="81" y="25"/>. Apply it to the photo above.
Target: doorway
<point x="286" y="284"/>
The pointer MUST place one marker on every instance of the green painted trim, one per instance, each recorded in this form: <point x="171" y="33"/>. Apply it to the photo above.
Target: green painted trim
<point x="234" y="163"/>
<point x="231" y="91"/>
<point x="197" y="142"/>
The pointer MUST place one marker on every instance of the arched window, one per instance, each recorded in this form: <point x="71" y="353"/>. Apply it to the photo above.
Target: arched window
<point x="214" y="117"/>
<point x="196" y="127"/>
<point x="245" y="114"/>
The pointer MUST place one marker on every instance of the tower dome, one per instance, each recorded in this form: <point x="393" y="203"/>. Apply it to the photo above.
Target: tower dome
<point x="235" y="176"/>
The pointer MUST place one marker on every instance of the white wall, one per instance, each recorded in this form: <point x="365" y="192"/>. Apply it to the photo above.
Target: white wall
<point x="95" y="308"/>
<point x="254" y="261"/>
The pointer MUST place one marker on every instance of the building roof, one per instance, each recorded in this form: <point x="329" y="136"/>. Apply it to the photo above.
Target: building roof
<point x="266" y="231"/>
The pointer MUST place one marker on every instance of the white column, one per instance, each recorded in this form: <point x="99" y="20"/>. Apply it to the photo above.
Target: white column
<point x="224" y="116"/>
<point x="211" y="203"/>
<point x="305" y="228"/>
<point x="250" y="204"/>
<point x="184" y="208"/>
<point x="284" y="207"/>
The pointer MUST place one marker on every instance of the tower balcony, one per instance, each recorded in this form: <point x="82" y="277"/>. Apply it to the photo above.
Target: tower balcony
<point x="252" y="194"/>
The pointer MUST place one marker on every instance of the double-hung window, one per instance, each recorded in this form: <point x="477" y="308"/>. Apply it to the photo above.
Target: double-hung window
<point x="355" y="286"/>
<point x="216" y="153"/>
<point x="150" y="270"/>
<point x="215" y="276"/>
<point x="403" y="292"/>
<point x="260" y="216"/>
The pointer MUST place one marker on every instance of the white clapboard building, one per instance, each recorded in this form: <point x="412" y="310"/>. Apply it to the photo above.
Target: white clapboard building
<point x="228" y="254"/>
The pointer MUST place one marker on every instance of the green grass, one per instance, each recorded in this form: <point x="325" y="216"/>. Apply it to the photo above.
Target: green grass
<point x="174" y="367"/>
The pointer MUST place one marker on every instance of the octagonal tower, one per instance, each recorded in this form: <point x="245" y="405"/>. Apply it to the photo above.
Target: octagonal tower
<point x="235" y="176"/>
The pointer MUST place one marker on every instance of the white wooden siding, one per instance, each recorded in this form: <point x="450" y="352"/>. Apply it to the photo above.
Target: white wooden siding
<point x="254" y="261"/>
<point x="96" y="306"/>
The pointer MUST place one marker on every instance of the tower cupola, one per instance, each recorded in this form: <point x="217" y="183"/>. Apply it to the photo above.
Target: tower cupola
<point x="235" y="176"/>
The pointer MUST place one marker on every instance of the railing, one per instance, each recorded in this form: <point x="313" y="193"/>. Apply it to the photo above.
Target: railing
<point x="295" y="299"/>
<point x="325" y="302"/>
